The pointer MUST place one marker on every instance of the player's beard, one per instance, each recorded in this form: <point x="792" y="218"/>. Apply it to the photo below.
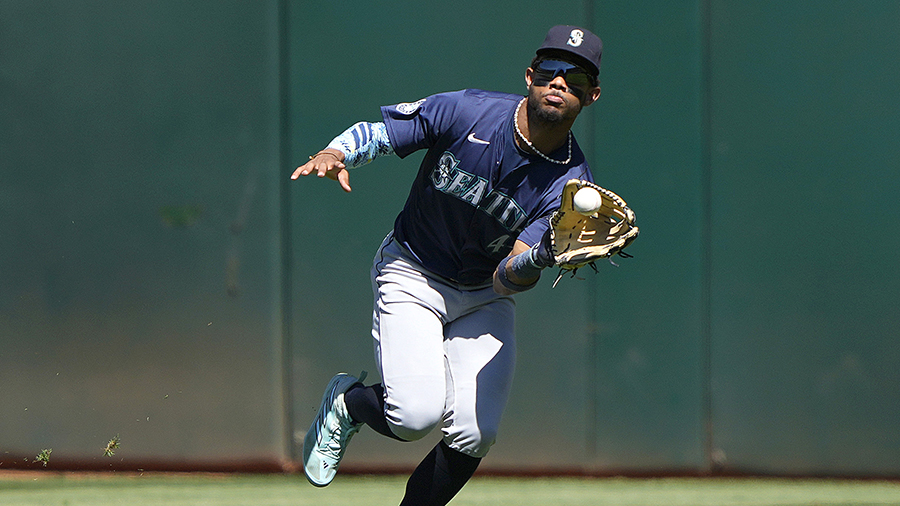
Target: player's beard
<point x="551" y="116"/>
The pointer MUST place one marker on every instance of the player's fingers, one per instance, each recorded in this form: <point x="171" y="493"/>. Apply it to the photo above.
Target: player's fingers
<point x="328" y="168"/>
<point x="304" y="169"/>
<point x="343" y="177"/>
<point x="321" y="168"/>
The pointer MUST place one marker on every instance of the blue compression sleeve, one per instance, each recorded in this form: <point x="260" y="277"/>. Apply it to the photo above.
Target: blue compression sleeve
<point x="362" y="143"/>
<point x="524" y="266"/>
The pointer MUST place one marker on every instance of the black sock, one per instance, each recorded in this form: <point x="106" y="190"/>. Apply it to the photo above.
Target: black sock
<point x="439" y="477"/>
<point x="366" y="404"/>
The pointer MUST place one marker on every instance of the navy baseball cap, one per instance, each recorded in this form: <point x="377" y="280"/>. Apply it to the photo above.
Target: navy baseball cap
<point x="578" y="41"/>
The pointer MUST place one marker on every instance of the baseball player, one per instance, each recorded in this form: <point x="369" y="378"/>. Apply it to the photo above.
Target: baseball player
<point x="473" y="232"/>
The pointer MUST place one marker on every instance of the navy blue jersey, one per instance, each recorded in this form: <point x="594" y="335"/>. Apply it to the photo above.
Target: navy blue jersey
<point x="476" y="192"/>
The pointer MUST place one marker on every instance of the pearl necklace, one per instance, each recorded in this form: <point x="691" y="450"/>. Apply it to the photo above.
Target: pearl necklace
<point x="530" y="145"/>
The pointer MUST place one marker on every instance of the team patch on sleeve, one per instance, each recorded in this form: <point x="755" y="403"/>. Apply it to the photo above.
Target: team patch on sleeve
<point x="408" y="108"/>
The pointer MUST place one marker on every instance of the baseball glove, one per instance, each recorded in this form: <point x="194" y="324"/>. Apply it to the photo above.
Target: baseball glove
<point x="577" y="240"/>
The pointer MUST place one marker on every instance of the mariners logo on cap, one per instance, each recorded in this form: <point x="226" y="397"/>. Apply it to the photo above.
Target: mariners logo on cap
<point x="575" y="38"/>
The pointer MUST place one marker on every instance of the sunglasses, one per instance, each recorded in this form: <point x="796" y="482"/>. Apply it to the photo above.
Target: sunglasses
<point x="577" y="79"/>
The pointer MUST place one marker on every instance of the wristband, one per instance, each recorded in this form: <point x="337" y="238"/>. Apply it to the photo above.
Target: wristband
<point x="508" y="283"/>
<point x="524" y="265"/>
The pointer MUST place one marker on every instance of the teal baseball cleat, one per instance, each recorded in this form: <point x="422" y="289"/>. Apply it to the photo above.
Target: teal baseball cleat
<point x="327" y="438"/>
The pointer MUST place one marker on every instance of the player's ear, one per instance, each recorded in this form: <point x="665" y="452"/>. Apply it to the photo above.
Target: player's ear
<point x="529" y="77"/>
<point x="592" y="96"/>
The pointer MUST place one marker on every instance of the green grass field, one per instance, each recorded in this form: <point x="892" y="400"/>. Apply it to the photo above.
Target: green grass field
<point x="78" y="489"/>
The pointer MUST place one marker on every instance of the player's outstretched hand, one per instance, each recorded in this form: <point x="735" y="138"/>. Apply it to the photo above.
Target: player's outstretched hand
<point x="326" y="163"/>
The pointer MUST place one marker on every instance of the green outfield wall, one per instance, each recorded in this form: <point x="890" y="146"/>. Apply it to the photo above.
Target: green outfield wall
<point x="161" y="278"/>
<point x="140" y="257"/>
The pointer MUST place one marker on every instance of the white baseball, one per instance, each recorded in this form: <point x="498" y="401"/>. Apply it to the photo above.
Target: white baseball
<point x="587" y="201"/>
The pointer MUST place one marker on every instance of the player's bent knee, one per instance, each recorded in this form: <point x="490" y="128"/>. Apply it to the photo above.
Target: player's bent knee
<point x="475" y="443"/>
<point x="413" y="430"/>
<point x="415" y="422"/>
<point x="413" y="413"/>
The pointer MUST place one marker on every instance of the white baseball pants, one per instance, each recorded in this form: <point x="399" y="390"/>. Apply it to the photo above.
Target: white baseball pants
<point x="446" y="355"/>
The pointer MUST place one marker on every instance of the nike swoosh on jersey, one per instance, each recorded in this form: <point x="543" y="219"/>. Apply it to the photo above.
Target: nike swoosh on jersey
<point x="476" y="140"/>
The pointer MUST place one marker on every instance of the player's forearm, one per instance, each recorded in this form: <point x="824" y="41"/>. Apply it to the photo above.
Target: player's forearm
<point x="362" y="143"/>
<point x="516" y="274"/>
<point x="520" y="272"/>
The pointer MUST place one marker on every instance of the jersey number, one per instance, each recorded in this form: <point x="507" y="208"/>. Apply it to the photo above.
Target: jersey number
<point x="498" y="243"/>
